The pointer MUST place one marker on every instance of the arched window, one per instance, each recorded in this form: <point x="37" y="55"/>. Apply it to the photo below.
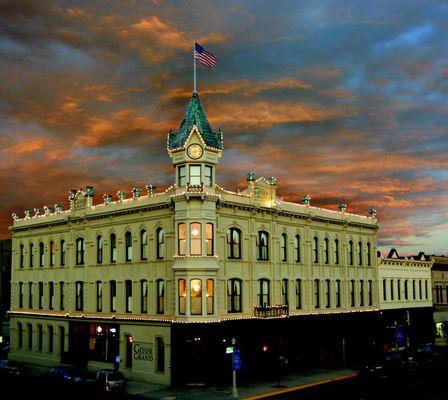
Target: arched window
<point x="31" y="255"/>
<point x="359" y="253"/>
<point x="283" y="247"/>
<point x="128" y="246"/>
<point x="99" y="296"/>
<point x="195" y="297"/>
<point x="182" y="296"/>
<point x="128" y="295"/>
<point x="195" y="239"/>
<point x="285" y="294"/>
<point x="299" y="294"/>
<point x="160" y="243"/>
<point x="210" y="295"/>
<point x="52" y="253"/>
<point x="182" y="239"/>
<point x="20" y="294"/>
<point x="21" y="255"/>
<point x="50" y="295"/>
<point x="264" y="298"/>
<point x="350" y="252"/>
<point x="80" y="251"/>
<point x="160" y="284"/>
<point x="316" y="293"/>
<point x="263" y="246"/>
<point x="79" y="296"/>
<point x="234" y="296"/>
<point x="99" y="249"/>
<point x="209" y="239"/>
<point x="327" y="251"/>
<point x="113" y="296"/>
<point x="316" y="250"/>
<point x="336" y="251"/>
<point x="62" y="250"/>
<point x="113" y="248"/>
<point x="234" y="243"/>
<point x="297" y="245"/>
<point x="143" y="245"/>
<point x="369" y="259"/>
<point x="41" y="254"/>
<point x="144" y="296"/>
<point x="328" y="293"/>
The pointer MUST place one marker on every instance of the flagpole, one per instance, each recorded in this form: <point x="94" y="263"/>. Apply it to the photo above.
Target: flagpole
<point x="194" y="69"/>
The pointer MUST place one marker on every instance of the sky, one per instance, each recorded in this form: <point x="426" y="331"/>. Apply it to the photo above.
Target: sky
<point x="340" y="100"/>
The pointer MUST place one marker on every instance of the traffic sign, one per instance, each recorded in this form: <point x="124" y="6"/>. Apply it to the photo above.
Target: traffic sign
<point x="237" y="360"/>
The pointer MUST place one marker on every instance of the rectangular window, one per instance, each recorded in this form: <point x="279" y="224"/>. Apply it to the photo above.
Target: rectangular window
<point x="406" y="290"/>
<point x="128" y="288"/>
<point x="20" y="294"/>
<point x="209" y="295"/>
<point x="182" y="296"/>
<point x="195" y="175"/>
<point x="144" y="296"/>
<point x="328" y="293"/>
<point x="338" y="293"/>
<point x="31" y="255"/>
<point x="113" y="296"/>
<point x="30" y="336"/>
<point x="352" y="293"/>
<point x="316" y="293"/>
<point x="182" y="235"/>
<point x="99" y="296"/>
<point x="209" y="239"/>
<point x="413" y="289"/>
<point x="30" y="295"/>
<point x="361" y="293"/>
<point x="113" y="248"/>
<point x="299" y="294"/>
<point x="208" y="176"/>
<point x="398" y="289"/>
<point x="426" y="289"/>
<point x="39" y="338"/>
<point x="234" y="303"/>
<point x="50" y="295"/>
<point x="21" y="255"/>
<point x="195" y="239"/>
<point x="336" y="251"/>
<point x="62" y="250"/>
<point x="196" y="297"/>
<point x="50" y="338"/>
<point x="160" y="297"/>
<point x="160" y="355"/>
<point x="19" y="335"/>
<point x="52" y="253"/>
<point x="285" y="294"/>
<point x="61" y="296"/>
<point x="99" y="249"/>
<point x="391" y="289"/>
<point x="182" y="176"/>
<point x="41" y="295"/>
<point x="79" y="296"/>
<point x="384" y="290"/>
<point x="264" y="293"/>
<point x="370" y="293"/>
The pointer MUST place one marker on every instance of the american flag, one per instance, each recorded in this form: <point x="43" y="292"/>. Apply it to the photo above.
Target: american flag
<point x="204" y="57"/>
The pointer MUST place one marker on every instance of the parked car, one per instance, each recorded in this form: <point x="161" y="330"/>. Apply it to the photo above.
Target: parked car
<point x="391" y="364"/>
<point x="60" y="374"/>
<point x="86" y="378"/>
<point x="11" y="369"/>
<point x="109" y="380"/>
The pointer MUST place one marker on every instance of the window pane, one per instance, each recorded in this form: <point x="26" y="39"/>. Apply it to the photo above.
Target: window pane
<point x="182" y="239"/>
<point x="209" y="239"/>
<point x="209" y="296"/>
<point x="182" y="296"/>
<point x="195" y="239"/>
<point x="196" y="297"/>
<point x="182" y="176"/>
<point x="208" y="180"/>
<point x="195" y="174"/>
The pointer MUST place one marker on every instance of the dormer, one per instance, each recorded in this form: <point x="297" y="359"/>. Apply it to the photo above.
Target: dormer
<point x="195" y="148"/>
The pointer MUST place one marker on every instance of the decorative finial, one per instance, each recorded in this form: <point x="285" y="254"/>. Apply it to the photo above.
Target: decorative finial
<point x="272" y="180"/>
<point x="151" y="189"/>
<point x="36" y="212"/>
<point x="306" y="200"/>
<point x="57" y="208"/>
<point x="121" y="195"/>
<point x="342" y="206"/>
<point x="107" y="199"/>
<point x="15" y="217"/>
<point x="27" y="214"/>
<point x="90" y="191"/>
<point x="372" y="213"/>
<point x="136" y="193"/>
<point x="250" y="176"/>
<point x="47" y="210"/>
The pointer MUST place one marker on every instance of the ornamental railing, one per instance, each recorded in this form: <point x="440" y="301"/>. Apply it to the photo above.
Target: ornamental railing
<point x="195" y="188"/>
<point x="278" y="310"/>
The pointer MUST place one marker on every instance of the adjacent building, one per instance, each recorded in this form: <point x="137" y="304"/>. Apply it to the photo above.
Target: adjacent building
<point x="161" y="284"/>
<point x="5" y="288"/>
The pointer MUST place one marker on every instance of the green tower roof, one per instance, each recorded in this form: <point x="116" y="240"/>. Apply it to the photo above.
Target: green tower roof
<point x="194" y="115"/>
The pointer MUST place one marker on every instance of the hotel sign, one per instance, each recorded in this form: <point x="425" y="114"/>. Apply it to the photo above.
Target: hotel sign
<point x="142" y="352"/>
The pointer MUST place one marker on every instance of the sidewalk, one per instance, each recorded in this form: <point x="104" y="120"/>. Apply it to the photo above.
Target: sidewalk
<point x="248" y="391"/>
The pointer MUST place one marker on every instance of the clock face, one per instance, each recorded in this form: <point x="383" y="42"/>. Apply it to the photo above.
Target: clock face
<point x="194" y="151"/>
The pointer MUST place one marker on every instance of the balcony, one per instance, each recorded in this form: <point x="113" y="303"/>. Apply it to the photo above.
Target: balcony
<point x="275" y="311"/>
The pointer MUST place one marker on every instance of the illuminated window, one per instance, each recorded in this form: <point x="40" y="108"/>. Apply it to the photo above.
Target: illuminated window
<point x="316" y="250"/>
<point x="160" y="296"/>
<point x="352" y="293"/>
<point x="297" y="247"/>
<point x="209" y="239"/>
<point x="21" y="256"/>
<point x="50" y="295"/>
<point x="182" y="176"/>
<point x="208" y="176"/>
<point x="263" y="246"/>
<point x="41" y="254"/>
<point x="30" y="294"/>
<point x="144" y="296"/>
<point x="195" y="239"/>
<point x="361" y="293"/>
<point x="234" y="296"/>
<point x="264" y="298"/>
<point x="61" y="295"/>
<point x="80" y="251"/>
<point x="31" y="255"/>
<point x="234" y="243"/>
<point x="182" y="296"/>
<point x="52" y="253"/>
<point x="143" y="245"/>
<point x="209" y="294"/>
<point x="327" y="251"/>
<point x="79" y="296"/>
<point x="113" y="296"/>
<point x="99" y="249"/>
<point x="283" y="247"/>
<point x="195" y="174"/>
<point x="336" y="251"/>
<point x="20" y="294"/>
<point x="350" y="252"/>
<point x="299" y="294"/>
<point x="328" y="292"/>
<point x="285" y="294"/>
<point x="128" y="246"/>
<point x="41" y="295"/>
<point x="359" y="253"/>
<point x="182" y="239"/>
<point x="160" y="235"/>
<point x="62" y="250"/>
<point x="369" y="256"/>
<point x="338" y="293"/>
<point x="99" y="296"/>
<point x="196" y="297"/>
<point x="128" y="295"/>
<point x="316" y="293"/>
<point x="113" y="248"/>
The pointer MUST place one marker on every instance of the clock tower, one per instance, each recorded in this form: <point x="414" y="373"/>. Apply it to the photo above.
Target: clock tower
<point x="195" y="148"/>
